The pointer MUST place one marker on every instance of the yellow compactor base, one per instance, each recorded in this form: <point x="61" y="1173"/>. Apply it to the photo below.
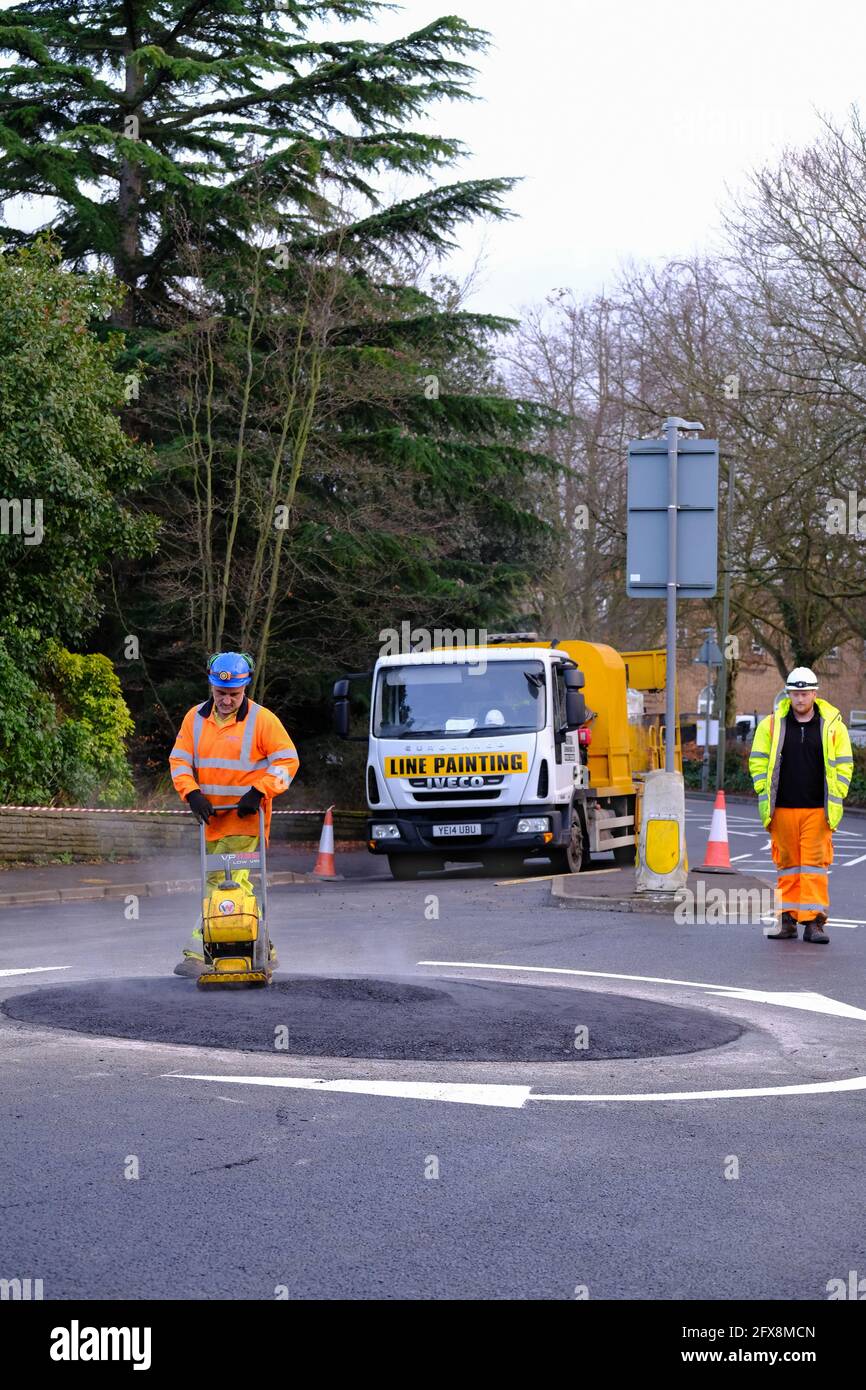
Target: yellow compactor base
<point x="234" y="977"/>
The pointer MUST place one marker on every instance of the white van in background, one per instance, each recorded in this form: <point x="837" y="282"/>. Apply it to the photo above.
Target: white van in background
<point x="746" y="724"/>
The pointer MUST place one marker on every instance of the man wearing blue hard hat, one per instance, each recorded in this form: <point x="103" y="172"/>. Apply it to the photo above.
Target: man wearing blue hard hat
<point x="230" y="751"/>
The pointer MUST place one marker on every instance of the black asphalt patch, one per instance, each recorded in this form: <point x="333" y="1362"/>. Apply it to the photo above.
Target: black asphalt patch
<point x="409" y="1020"/>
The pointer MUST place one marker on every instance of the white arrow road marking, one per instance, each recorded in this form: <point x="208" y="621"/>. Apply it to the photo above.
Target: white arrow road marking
<point x="34" y="969"/>
<point x="513" y="1097"/>
<point x="466" y="1093"/>
<point x="808" y="1088"/>
<point x="815" y="1003"/>
<point x="805" y="999"/>
<point x="848" y="862"/>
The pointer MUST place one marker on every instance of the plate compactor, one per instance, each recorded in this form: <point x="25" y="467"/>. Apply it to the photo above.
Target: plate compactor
<point x="234" y="927"/>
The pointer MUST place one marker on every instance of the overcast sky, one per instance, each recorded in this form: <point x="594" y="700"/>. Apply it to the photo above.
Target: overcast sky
<point x="629" y="120"/>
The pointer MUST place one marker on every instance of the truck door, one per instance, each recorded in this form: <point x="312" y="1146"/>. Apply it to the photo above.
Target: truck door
<point x="565" y="743"/>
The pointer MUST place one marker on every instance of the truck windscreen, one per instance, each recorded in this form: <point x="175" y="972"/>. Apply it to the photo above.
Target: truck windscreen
<point x="459" y="700"/>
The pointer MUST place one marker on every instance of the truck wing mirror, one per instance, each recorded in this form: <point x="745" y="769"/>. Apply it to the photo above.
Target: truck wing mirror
<point x="575" y="709"/>
<point x="575" y="703"/>
<point x="341" y="707"/>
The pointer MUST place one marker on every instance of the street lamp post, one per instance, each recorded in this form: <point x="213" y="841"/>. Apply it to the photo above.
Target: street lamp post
<point x="710" y="656"/>
<point x="721" y="748"/>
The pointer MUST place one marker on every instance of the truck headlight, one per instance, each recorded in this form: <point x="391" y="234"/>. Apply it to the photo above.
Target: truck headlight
<point x="533" y="825"/>
<point x="385" y="832"/>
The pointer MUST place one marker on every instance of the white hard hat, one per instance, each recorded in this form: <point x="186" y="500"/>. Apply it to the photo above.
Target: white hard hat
<point x="494" y="716"/>
<point x="801" y="678"/>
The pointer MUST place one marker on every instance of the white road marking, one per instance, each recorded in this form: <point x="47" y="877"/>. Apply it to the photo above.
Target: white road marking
<point x="794" y="999"/>
<point x="848" y="862"/>
<point x="805" y="999"/>
<point x="834" y="922"/>
<point x="34" y="969"/>
<point x="737" y="857"/>
<point x="807" y="1088"/>
<point x="515" y="1097"/>
<point x="466" y="1093"/>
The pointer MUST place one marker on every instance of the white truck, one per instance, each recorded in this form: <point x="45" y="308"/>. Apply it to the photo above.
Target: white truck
<point x="519" y="748"/>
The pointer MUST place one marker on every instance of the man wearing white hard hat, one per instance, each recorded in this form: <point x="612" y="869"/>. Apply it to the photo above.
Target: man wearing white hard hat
<point x="801" y="765"/>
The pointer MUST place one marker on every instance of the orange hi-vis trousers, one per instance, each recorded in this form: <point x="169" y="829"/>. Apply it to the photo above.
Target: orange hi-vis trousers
<point x="802" y="845"/>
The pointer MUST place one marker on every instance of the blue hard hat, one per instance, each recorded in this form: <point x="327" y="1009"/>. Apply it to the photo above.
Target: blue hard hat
<point x="229" y="670"/>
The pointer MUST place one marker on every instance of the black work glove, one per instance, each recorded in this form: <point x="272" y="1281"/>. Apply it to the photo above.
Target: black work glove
<point x="200" y="806"/>
<point x="249" y="802"/>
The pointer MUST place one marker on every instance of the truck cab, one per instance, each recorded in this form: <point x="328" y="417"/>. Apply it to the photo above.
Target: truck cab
<point x="498" y="753"/>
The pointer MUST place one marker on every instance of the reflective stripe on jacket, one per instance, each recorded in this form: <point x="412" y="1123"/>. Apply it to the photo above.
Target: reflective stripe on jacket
<point x="224" y="761"/>
<point x="765" y="760"/>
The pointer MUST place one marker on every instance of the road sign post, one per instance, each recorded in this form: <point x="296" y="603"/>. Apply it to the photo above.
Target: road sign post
<point x="671" y="553"/>
<point x="672" y="542"/>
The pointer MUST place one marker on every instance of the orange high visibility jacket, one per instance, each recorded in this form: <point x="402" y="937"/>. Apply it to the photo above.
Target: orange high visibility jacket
<point x="223" y="761"/>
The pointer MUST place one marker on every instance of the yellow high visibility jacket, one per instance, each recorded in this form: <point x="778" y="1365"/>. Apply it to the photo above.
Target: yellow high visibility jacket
<point x="765" y="760"/>
<point x="224" y="761"/>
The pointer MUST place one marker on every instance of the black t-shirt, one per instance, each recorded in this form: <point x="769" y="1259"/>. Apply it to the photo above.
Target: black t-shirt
<point x="801" y="775"/>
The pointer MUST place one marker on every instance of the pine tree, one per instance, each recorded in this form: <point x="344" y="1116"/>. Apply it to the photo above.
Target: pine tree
<point x="130" y="114"/>
<point x="216" y="127"/>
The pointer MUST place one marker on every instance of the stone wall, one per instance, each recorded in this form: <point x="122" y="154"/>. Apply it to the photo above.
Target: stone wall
<point x="26" y="832"/>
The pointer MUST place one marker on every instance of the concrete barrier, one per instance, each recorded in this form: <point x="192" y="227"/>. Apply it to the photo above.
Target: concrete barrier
<point x="661" y="858"/>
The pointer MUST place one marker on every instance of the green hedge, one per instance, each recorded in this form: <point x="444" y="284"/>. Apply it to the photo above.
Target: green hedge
<point x="737" y="777"/>
<point x="63" y="726"/>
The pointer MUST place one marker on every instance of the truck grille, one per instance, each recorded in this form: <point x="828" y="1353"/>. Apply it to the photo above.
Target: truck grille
<point x="474" y="795"/>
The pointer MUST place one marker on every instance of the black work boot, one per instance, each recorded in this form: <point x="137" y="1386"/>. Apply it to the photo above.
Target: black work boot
<point x="813" y="930"/>
<point x="786" y="930"/>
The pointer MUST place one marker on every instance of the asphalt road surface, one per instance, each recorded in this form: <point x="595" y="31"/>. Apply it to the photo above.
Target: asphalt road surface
<point x="685" y="1120"/>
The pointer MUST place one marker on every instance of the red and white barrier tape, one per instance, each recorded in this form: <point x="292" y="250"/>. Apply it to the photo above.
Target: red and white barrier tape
<point x="133" y="811"/>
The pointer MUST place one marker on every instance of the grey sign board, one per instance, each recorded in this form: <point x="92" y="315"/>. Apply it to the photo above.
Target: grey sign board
<point x="697" y="503"/>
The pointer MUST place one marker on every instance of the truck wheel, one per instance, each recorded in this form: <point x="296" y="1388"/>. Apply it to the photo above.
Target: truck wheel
<point x="569" y="859"/>
<point x="410" y="866"/>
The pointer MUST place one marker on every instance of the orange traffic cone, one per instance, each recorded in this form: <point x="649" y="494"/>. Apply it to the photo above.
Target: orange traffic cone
<point x="325" y="862"/>
<point x="718" y="857"/>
